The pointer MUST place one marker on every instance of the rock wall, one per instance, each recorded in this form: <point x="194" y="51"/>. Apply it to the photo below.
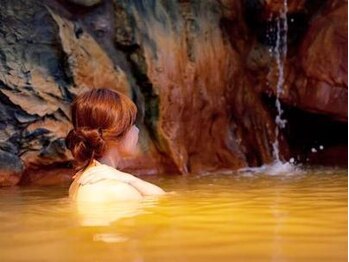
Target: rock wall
<point x="196" y="70"/>
<point x="316" y="69"/>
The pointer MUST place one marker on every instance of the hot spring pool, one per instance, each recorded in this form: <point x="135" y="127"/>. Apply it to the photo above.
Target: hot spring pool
<point x="220" y="217"/>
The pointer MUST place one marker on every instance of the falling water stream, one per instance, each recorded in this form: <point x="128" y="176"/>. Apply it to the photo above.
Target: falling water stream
<point x="279" y="52"/>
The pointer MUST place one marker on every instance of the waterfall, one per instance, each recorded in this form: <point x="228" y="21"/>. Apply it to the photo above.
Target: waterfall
<point x="280" y="52"/>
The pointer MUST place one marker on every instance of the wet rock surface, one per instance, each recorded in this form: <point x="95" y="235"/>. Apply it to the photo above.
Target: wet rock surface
<point x="316" y="67"/>
<point x="196" y="70"/>
<point x="11" y="167"/>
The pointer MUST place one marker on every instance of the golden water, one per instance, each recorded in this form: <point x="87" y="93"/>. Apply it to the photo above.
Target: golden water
<point x="227" y="217"/>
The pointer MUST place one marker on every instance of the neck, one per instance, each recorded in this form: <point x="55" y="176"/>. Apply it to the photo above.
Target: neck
<point x="110" y="158"/>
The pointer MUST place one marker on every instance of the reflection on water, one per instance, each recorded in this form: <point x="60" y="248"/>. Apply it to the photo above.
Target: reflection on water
<point x="226" y="217"/>
<point x="104" y="214"/>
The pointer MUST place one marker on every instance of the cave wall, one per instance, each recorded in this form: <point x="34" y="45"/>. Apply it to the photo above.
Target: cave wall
<point x="195" y="69"/>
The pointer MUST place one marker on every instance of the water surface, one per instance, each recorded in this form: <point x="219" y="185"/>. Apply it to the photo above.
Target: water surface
<point x="217" y="217"/>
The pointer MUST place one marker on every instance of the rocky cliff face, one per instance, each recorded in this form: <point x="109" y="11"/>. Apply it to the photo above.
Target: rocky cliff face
<point x="197" y="71"/>
<point x="317" y="60"/>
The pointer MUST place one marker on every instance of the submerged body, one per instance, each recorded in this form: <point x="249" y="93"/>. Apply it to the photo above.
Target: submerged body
<point x="103" y="183"/>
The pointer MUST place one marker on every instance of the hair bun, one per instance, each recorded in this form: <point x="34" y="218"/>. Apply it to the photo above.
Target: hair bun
<point x="85" y="145"/>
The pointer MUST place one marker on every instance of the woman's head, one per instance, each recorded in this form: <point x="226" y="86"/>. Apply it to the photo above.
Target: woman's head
<point x="102" y="119"/>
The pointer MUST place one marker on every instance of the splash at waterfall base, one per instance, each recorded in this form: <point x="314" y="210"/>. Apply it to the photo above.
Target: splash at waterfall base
<point x="200" y="73"/>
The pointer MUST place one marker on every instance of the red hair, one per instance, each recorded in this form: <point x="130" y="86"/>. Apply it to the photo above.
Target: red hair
<point x="99" y="116"/>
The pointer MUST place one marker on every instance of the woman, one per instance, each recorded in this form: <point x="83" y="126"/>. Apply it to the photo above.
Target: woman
<point x="104" y="132"/>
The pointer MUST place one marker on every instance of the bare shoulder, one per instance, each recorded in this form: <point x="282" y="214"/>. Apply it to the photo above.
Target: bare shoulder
<point x="106" y="191"/>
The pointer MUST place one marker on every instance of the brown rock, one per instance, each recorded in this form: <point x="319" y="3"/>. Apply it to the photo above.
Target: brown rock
<point x="324" y="50"/>
<point x="48" y="176"/>
<point x="324" y="61"/>
<point x="89" y="64"/>
<point x="87" y="3"/>
<point x="11" y="168"/>
<point x="316" y="77"/>
<point x="194" y="72"/>
<point x="275" y="6"/>
<point x="316" y="70"/>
